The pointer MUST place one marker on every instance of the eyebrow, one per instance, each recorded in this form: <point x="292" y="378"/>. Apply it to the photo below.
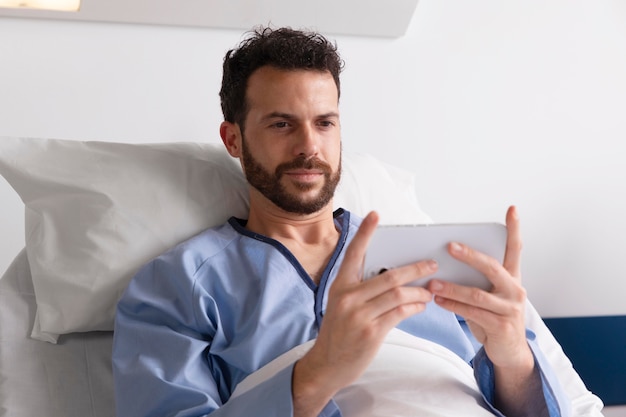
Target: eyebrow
<point x="288" y="116"/>
<point x="278" y="115"/>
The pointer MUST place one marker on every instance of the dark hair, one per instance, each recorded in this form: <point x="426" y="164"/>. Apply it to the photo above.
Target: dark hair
<point x="282" y="48"/>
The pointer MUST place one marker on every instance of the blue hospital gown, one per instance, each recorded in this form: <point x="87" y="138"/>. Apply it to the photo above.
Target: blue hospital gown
<point x="197" y="320"/>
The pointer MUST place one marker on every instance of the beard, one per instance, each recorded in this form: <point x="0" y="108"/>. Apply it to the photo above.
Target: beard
<point x="269" y="184"/>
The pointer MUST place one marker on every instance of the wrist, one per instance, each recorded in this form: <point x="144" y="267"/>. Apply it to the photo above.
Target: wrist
<point x="311" y="389"/>
<point x="518" y="386"/>
<point x="521" y="364"/>
<point x="305" y="384"/>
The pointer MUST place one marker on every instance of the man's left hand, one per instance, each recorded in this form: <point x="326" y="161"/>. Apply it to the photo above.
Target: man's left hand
<point x="496" y="318"/>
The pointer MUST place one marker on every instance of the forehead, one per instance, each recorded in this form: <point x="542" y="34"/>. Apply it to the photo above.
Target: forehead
<point x="270" y="86"/>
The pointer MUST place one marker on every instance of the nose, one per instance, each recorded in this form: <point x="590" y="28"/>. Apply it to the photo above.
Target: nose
<point x="307" y="142"/>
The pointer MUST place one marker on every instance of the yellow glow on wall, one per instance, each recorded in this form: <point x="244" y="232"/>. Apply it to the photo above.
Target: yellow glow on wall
<point x="63" y="5"/>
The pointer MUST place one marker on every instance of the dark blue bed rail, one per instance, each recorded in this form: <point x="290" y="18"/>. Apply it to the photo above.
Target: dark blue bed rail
<point x="597" y="348"/>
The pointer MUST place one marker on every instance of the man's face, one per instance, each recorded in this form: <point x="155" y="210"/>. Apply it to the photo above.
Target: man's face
<point x="291" y="146"/>
<point x="270" y="185"/>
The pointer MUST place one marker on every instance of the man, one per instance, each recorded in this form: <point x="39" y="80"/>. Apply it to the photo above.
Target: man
<point x="199" y="319"/>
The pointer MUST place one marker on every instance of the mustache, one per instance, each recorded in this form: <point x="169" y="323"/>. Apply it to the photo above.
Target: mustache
<point x="303" y="162"/>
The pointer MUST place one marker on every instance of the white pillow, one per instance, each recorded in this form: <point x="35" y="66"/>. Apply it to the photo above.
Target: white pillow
<point x="97" y="211"/>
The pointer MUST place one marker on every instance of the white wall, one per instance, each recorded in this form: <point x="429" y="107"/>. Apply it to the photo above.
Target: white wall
<point x="490" y="103"/>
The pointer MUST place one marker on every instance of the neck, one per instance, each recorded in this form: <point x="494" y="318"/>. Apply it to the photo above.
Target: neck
<point x="269" y="220"/>
<point x="311" y="238"/>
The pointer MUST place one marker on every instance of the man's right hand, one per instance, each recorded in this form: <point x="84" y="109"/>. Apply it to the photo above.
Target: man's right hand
<point x="358" y="316"/>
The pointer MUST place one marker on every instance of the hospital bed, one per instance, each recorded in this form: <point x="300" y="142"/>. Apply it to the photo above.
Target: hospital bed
<point x="95" y="212"/>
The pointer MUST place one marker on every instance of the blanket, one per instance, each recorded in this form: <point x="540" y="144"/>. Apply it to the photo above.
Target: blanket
<point x="410" y="376"/>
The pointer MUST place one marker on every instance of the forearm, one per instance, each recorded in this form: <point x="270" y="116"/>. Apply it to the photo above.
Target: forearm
<point x="540" y="390"/>
<point x="519" y="391"/>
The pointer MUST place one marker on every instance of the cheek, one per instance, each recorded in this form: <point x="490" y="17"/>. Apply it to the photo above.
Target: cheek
<point x="333" y="155"/>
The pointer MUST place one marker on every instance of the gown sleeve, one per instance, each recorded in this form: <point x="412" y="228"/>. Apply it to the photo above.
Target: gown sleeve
<point x="557" y="402"/>
<point x="164" y="330"/>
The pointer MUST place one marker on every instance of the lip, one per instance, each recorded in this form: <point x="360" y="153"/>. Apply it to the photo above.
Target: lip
<point x="304" y="174"/>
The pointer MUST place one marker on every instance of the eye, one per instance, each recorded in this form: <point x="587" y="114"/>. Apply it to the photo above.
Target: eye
<point x="326" y="123"/>
<point x="280" y="125"/>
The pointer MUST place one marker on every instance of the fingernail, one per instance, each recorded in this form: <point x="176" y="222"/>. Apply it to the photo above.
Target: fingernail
<point x="432" y="264"/>
<point x="455" y="247"/>
<point x="436" y="286"/>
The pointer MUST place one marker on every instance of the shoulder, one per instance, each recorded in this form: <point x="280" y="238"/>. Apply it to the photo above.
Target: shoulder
<point x="184" y="259"/>
<point x="173" y="274"/>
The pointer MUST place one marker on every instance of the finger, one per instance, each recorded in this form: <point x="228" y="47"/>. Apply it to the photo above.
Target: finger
<point x="467" y="301"/>
<point x="352" y="265"/>
<point x="469" y="312"/>
<point x="398" y="277"/>
<point x="486" y="319"/>
<point x="388" y="290"/>
<point x="512" y="256"/>
<point x="395" y="298"/>
<point x="488" y="266"/>
<point x="393" y="317"/>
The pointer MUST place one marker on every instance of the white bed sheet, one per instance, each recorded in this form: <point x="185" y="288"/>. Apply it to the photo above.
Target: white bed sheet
<point x="71" y="379"/>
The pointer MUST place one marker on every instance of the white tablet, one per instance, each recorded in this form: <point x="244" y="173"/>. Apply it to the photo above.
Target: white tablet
<point x="394" y="246"/>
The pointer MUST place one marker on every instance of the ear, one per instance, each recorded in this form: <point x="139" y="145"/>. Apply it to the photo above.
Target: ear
<point x="231" y="137"/>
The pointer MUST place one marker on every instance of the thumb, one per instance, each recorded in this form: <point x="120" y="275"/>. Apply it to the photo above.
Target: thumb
<point x="352" y="267"/>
